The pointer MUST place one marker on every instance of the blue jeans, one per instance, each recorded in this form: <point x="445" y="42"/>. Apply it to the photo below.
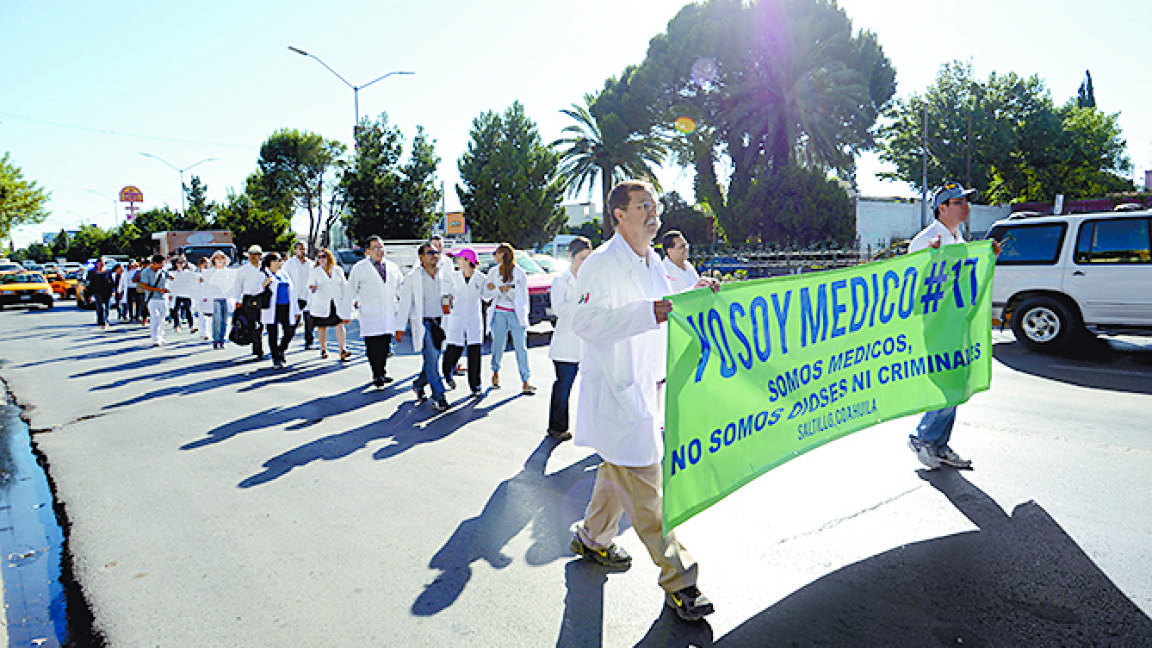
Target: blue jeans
<point x="101" y="305"/>
<point x="219" y="319"/>
<point x="558" y="410"/>
<point x="936" y="426"/>
<point x="504" y="323"/>
<point x="430" y="372"/>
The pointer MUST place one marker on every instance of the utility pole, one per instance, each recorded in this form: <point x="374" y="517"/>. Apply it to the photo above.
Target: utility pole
<point x="924" y="169"/>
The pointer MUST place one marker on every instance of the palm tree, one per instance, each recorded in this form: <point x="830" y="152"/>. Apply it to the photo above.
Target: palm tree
<point x="588" y="154"/>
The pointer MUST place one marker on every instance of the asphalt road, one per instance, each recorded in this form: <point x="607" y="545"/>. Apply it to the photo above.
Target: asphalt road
<point x="214" y="502"/>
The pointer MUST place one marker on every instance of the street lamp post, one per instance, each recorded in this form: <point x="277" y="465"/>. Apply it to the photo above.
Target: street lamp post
<point x="181" y="171"/>
<point x="115" y="204"/>
<point x="355" y="89"/>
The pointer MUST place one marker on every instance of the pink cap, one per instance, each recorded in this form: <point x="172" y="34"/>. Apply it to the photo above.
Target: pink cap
<point x="467" y="253"/>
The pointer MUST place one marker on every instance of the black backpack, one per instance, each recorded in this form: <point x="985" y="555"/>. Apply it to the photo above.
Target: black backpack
<point x="242" y="333"/>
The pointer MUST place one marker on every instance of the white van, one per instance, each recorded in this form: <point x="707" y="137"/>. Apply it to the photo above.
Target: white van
<point x="1058" y="276"/>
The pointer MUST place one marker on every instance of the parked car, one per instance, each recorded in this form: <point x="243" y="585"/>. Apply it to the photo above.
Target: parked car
<point x="8" y="266"/>
<point x="539" y="281"/>
<point x="25" y="289"/>
<point x="1059" y="276"/>
<point x="348" y="257"/>
<point x="551" y="264"/>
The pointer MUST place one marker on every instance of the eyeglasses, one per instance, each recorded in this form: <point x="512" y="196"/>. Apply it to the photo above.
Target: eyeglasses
<point x="647" y="206"/>
<point x="431" y="253"/>
<point x="956" y="201"/>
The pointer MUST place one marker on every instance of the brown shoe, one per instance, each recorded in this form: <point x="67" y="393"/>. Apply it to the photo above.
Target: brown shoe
<point x="528" y="390"/>
<point x="345" y="355"/>
<point x="495" y="380"/>
<point x="323" y="353"/>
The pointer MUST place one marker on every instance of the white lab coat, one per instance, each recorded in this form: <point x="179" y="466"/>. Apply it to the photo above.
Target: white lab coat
<point x="681" y="280"/>
<point x="249" y="281"/>
<point x="325" y="289"/>
<point x="268" y="315"/>
<point x="412" y="304"/>
<point x="375" y="297"/>
<point x="465" y="324"/>
<point x="123" y="284"/>
<point x="624" y="354"/>
<point x="519" y="292"/>
<point x="565" y="346"/>
<point x="301" y="273"/>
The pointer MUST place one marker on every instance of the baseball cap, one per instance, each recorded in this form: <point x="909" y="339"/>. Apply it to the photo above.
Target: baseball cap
<point x="467" y="253"/>
<point x="951" y="189"/>
<point x="255" y="249"/>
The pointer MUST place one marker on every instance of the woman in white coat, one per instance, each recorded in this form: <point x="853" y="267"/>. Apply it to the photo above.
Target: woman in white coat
<point x="328" y="302"/>
<point x="507" y="287"/>
<point x="565" y="347"/>
<point x="464" y="324"/>
<point x="283" y="309"/>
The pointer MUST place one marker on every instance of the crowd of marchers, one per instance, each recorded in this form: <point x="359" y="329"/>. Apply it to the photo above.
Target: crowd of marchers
<point x="444" y="302"/>
<point x="611" y="305"/>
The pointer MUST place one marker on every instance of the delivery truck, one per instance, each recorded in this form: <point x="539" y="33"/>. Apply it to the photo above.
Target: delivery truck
<point x="195" y="245"/>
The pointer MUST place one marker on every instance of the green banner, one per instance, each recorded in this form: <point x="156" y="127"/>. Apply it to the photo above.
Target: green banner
<point x="765" y="370"/>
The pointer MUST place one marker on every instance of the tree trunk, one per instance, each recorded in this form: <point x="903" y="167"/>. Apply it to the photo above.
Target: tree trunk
<point x="608" y="221"/>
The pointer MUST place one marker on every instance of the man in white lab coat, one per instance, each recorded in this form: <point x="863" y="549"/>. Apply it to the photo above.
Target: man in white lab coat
<point x="618" y="316"/>
<point x="373" y="286"/>
<point x="421" y="307"/>
<point x="299" y="269"/>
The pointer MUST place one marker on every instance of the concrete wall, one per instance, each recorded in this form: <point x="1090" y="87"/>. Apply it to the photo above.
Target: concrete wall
<point x="878" y="222"/>
<point x="580" y="213"/>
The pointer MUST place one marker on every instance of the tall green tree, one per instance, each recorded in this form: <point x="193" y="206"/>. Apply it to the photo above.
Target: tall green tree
<point x="252" y="224"/>
<point x="21" y="201"/>
<point x="590" y="152"/>
<point x="89" y="243"/>
<point x="509" y="188"/>
<point x="751" y="86"/>
<point x="60" y="244"/>
<point x="1083" y="155"/>
<point x="1005" y="136"/>
<point x="695" y="224"/>
<point x="1086" y="95"/>
<point x="199" y="207"/>
<point x="387" y="197"/>
<point x="307" y="168"/>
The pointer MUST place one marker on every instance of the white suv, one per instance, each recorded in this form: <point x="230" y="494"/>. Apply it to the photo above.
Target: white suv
<point x="1060" y="275"/>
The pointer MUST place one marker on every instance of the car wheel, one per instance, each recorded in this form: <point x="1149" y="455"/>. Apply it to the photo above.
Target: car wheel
<point x="1044" y="324"/>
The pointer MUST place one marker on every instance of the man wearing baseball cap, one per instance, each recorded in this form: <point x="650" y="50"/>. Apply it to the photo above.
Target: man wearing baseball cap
<point x="950" y="204"/>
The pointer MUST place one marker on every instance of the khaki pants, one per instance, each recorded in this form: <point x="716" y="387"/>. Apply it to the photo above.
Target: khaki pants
<point x="636" y="491"/>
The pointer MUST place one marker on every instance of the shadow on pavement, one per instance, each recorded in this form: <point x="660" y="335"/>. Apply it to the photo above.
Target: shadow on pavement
<point x="409" y="426"/>
<point x="1019" y="580"/>
<point x="550" y="503"/>
<point x="1089" y="362"/>
<point x="296" y="417"/>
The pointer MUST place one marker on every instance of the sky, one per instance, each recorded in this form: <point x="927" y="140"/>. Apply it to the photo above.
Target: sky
<point x="86" y="87"/>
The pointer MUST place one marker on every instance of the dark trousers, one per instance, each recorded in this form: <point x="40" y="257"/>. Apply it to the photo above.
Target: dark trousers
<point x="100" y="302"/>
<point x="275" y="344"/>
<point x="253" y="317"/>
<point x="558" y="410"/>
<point x="132" y="301"/>
<point x="452" y="355"/>
<point x="142" y="304"/>
<point x="309" y="327"/>
<point x="181" y="307"/>
<point x="376" y="348"/>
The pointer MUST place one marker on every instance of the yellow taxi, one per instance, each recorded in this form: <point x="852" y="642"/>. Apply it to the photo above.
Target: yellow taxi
<point x="63" y="284"/>
<point x="25" y="289"/>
